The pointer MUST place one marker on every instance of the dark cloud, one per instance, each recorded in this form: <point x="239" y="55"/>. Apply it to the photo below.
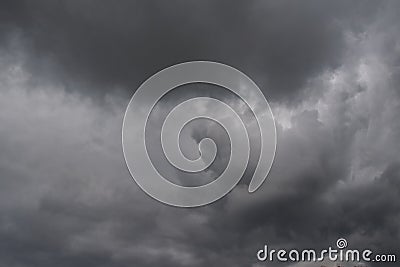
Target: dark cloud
<point x="66" y="197"/>
<point x="119" y="45"/>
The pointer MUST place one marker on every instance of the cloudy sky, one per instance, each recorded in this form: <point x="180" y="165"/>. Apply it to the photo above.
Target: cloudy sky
<point x="331" y="73"/>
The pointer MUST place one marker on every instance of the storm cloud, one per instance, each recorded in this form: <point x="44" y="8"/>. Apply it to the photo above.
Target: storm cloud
<point x="330" y="70"/>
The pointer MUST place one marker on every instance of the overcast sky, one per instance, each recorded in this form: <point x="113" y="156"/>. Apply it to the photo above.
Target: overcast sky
<point x="331" y="73"/>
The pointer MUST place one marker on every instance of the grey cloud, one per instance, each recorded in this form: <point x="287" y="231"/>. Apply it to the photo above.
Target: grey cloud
<point x="66" y="197"/>
<point x="280" y="45"/>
